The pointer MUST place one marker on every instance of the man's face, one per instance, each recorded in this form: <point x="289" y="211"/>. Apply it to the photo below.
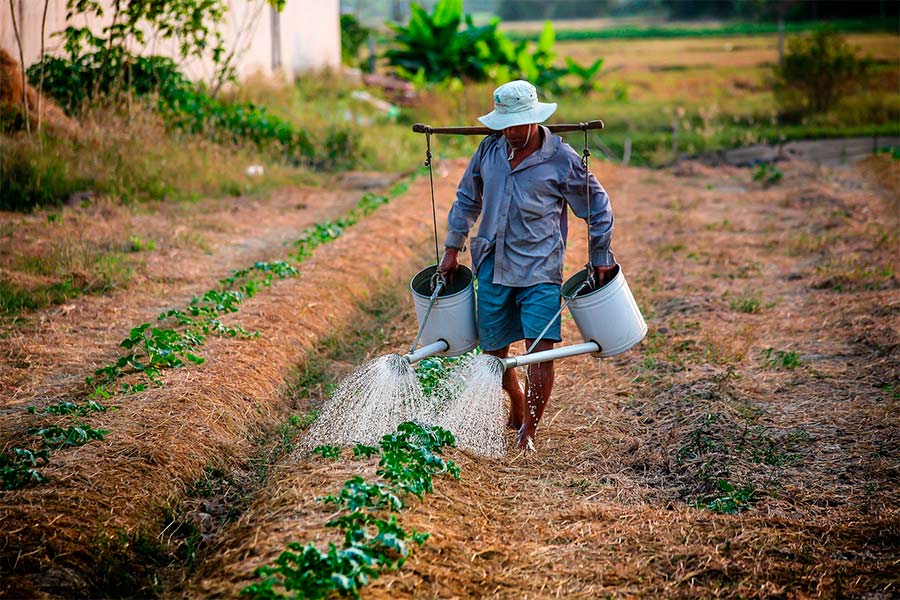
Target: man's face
<point x="517" y="135"/>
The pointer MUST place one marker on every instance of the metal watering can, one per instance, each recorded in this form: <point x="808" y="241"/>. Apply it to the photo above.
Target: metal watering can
<point x="445" y="312"/>
<point x="608" y="318"/>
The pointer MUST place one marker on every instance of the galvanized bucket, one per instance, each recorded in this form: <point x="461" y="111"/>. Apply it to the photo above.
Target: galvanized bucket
<point x="452" y="317"/>
<point x="608" y="316"/>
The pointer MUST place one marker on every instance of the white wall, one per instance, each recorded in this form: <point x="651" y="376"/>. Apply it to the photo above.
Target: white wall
<point x="310" y="35"/>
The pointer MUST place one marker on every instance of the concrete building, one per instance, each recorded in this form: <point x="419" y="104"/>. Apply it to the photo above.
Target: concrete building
<point x="305" y="36"/>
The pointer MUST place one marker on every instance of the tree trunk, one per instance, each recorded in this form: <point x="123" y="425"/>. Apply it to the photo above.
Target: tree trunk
<point x="12" y="14"/>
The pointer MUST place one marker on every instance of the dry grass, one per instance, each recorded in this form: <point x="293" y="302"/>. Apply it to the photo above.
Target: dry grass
<point x="629" y="446"/>
<point x="606" y="506"/>
<point x="162" y="439"/>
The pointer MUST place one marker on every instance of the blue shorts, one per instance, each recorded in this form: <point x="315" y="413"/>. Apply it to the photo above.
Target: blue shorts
<point x="509" y="314"/>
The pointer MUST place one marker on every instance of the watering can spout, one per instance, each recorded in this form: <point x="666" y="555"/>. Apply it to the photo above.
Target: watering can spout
<point x="552" y="354"/>
<point x="426" y="351"/>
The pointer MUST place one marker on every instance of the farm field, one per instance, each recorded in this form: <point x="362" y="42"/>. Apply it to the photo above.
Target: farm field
<point x="747" y="448"/>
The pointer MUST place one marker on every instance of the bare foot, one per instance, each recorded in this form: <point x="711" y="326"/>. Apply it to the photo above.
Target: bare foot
<point x="526" y="438"/>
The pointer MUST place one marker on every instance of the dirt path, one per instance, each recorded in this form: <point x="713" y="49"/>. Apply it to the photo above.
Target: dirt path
<point x="772" y="364"/>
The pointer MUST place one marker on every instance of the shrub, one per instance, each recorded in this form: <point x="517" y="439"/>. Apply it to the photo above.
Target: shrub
<point x="817" y="70"/>
<point x="353" y="36"/>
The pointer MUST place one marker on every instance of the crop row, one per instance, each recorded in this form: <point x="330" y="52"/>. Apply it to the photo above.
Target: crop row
<point x="373" y="540"/>
<point x="174" y="341"/>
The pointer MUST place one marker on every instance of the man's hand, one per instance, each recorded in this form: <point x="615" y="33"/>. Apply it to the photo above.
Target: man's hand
<point x="603" y="275"/>
<point x="449" y="264"/>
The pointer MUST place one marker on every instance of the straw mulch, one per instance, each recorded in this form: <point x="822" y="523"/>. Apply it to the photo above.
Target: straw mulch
<point x="109" y="503"/>
<point x="632" y="445"/>
<point x="195" y="246"/>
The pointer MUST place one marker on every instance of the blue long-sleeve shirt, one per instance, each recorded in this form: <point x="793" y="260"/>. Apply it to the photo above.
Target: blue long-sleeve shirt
<point x="523" y="211"/>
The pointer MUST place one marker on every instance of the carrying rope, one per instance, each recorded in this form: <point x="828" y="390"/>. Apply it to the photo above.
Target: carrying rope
<point x="585" y="162"/>
<point x="428" y="161"/>
<point x="589" y="280"/>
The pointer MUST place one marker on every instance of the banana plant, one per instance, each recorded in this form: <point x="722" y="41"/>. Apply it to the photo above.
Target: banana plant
<point x="587" y="75"/>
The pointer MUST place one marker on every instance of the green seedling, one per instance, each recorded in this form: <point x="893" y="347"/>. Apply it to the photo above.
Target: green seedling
<point x="732" y="500"/>
<point x="54" y="437"/>
<point x="363" y="451"/>
<point x="781" y="359"/>
<point x="372" y="544"/>
<point x="767" y="174"/>
<point x="21" y="468"/>
<point x="326" y="451"/>
<point x="358" y="494"/>
<point x="65" y="407"/>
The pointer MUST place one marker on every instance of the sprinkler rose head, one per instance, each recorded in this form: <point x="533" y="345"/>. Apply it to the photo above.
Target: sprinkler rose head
<point x="400" y="364"/>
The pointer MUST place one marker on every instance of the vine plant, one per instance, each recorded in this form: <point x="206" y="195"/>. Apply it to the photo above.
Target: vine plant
<point x="373" y="539"/>
<point x="173" y="342"/>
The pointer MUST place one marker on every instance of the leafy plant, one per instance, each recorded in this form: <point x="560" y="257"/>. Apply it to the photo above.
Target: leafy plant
<point x="732" y="500"/>
<point x="67" y="407"/>
<point x="54" y="437"/>
<point x="326" y="451"/>
<point x="767" y="174"/>
<point x="372" y="543"/>
<point x="432" y="48"/>
<point x="353" y="36"/>
<point x="21" y="468"/>
<point x="747" y="303"/>
<point x="781" y="359"/>
<point x="586" y="75"/>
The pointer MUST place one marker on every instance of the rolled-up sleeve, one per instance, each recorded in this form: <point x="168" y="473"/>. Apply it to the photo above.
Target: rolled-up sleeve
<point x="467" y="207"/>
<point x="601" y="225"/>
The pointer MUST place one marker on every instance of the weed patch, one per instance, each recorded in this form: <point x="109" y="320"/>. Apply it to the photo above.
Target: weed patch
<point x="710" y="435"/>
<point x="781" y="359"/>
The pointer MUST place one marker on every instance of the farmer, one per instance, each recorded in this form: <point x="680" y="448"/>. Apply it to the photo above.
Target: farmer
<point x="520" y="181"/>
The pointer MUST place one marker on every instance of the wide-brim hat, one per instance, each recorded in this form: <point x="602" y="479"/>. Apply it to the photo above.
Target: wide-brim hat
<point x="516" y="103"/>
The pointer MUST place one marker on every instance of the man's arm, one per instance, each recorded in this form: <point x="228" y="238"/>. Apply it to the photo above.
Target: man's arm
<point x="463" y="214"/>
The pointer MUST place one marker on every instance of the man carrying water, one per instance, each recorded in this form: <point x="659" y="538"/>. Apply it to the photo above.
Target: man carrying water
<point x="520" y="181"/>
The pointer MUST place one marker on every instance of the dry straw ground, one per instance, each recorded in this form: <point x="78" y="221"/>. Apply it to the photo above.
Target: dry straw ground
<point x="77" y="534"/>
<point x="630" y="445"/>
<point x="772" y="363"/>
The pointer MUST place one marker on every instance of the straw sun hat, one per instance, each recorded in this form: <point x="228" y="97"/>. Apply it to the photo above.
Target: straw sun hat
<point x="516" y="103"/>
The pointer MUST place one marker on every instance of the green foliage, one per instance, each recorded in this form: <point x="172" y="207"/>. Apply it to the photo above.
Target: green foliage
<point x="151" y="350"/>
<point x="326" y="451"/>
<point x="54" y="437"/>
<point x="730" y="29"/>
<point x="353" y="35"/>
<point x="781" y="359"/>
<point x="372" y="543"/>
<point x="732" y="500"/>
<point x="816" y="71"/>
<point x="434" y="369"/>
<point x="363" y="451"/>
<point x="193" y="25"/>
<point x="767" y="174"/>
<point x="21" y="468"/>
<point x="68" y="407"/>
<point x="321" y="233"/>
<point x="433" y="48"/>
<point x="78" y="80"/>
<point x="747" y="303"/>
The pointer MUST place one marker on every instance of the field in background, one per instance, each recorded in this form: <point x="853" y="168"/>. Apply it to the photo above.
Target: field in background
<point x="713" y="90"/>
<point x="716" y="89"/>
